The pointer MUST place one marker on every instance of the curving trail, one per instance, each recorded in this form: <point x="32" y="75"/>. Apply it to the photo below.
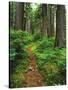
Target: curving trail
<point x="32" y="76"/>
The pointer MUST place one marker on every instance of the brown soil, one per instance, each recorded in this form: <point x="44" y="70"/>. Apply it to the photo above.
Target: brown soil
<point x="32" y="76"/>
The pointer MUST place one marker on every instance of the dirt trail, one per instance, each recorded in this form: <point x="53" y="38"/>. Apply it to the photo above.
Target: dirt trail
<point x="33" y="77"/>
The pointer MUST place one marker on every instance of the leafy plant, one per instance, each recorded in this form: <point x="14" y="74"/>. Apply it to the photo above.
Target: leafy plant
<point x="51" y="62"/>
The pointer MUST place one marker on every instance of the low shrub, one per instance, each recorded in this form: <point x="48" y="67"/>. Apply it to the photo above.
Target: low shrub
<point x="18" y="41"/>
<point x="51" y="62"/>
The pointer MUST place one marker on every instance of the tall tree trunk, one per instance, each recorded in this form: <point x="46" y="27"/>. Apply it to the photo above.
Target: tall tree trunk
<point x="51" y="18"/>
<point x="28" y="26"/>
<point x="52" y="21"/>
<point x="44" y="19"/>
<point x="20" y="15"/>
<point x="28" y="21"/>
<point x="48" y="21"/>
<point x="24" y="25"/>
<point x="11" y="14"/>
<point x="60" y="26"/>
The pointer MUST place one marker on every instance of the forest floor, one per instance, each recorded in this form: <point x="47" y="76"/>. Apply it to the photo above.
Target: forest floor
<point x="35" y="62"/>
<point x="33" y="76"/>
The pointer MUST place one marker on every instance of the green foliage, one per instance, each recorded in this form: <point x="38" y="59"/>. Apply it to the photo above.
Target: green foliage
<point x="45" y="43"/>
<point x="12" y="54"/>
<point x="18" y="56"/>
<point x="18" y="41"/>
<point x="17" y="78"/>
<point x="22" y="66"/>
<point x="36" y="36"/>
<point x="51" y="62"/>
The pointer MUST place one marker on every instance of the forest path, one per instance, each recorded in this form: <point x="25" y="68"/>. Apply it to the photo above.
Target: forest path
<point x="32" y="76"/>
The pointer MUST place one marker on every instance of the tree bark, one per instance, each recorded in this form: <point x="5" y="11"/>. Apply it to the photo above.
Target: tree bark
<point x="44" y="20"/>
<point x="28" y="20"/>
<point x="11" y="14"/>
<point x="20" y="15"/>
<point x="48" y="21"/>
<point x="52" y="21"/>
<point x="60" y="26"/>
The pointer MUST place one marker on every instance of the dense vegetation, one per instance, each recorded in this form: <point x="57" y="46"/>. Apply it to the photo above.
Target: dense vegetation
<point x="35" y="28"/>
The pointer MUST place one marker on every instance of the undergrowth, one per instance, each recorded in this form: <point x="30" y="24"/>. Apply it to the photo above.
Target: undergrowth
<point x="51" y="61"/>
<point x="18" y="57"/>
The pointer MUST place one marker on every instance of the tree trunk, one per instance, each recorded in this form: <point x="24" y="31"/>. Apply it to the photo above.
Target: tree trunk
<point x="60" y="26"/>
<point x="48" y="21"/>
<point x="28" y="20"/>
<point x="28" y="26"/>
<point x="20" y="15"/>
<point x="52" y="21"/>
<point x="11" y="14"/>
<point x="44" y="20"/>
<point x="51" y="9"/>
